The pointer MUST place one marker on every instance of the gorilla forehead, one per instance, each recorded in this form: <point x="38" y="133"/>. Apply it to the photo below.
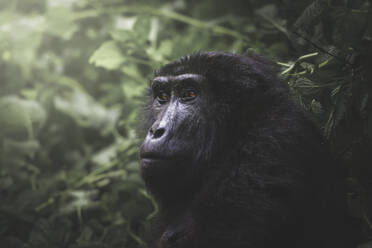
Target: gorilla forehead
<point x="244" y="71"/>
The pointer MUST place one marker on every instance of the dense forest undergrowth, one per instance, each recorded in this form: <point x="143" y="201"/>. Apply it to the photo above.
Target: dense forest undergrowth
<point x="73" y="75"/>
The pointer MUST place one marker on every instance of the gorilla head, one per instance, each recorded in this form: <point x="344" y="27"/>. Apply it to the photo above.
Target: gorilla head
<point x="198" y="104"/>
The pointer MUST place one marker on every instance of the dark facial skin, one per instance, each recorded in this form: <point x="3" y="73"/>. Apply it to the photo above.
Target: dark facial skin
<point x="169" y="145"/>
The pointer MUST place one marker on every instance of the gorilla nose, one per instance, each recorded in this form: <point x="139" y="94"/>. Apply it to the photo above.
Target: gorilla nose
<point x="157" y="133"/>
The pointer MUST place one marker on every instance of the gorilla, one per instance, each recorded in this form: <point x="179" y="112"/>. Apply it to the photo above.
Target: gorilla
<point x="233" y="162"/>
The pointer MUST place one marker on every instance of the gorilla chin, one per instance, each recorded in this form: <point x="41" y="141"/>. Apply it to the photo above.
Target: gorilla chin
<point x="165" y="176"/>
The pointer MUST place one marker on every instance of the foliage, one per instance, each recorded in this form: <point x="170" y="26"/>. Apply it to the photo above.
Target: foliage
<point x="73" y="75"/>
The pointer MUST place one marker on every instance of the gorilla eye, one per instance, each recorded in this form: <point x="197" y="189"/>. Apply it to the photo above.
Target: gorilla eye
<point x="188" y="94"/>
<point x="162" y="97"/>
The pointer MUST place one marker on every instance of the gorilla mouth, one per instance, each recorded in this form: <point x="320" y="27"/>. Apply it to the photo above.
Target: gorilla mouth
<point x="157" y="156"/>
<point x="152" y="160"/>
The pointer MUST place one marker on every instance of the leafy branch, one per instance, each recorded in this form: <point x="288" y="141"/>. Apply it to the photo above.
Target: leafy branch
<point x="165" y="13"/>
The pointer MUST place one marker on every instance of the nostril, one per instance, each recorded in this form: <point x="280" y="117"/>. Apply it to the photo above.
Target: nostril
<point x="158" y="133"/>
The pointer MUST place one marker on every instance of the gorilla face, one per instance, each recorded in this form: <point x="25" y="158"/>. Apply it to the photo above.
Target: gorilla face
<point x="173" y="110"/>
<point x="171" y="149"/>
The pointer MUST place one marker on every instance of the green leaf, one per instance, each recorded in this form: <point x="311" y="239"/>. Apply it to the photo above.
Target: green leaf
<point x="133" y="89"/>
<point x="166" y="47"/>
<point x="85" y="110"/>
<point x="143" y="26"/>
<point x="125" y="23"/>
<point x="20" y="118"/>
<point x="60" y="22"/>
<point x="20" y="149"/>
<point x="108" y="56"/>
<point x="20" y="37"/>
<point x="105" y="156"/>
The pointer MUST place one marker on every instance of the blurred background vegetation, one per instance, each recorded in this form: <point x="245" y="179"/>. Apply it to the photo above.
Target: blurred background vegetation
<point x="72" y="80"/>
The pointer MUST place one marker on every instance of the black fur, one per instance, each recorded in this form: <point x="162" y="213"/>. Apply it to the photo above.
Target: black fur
<point x="252" y="170"/>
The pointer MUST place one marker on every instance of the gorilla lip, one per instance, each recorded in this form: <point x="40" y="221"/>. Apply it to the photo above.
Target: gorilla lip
<point x="149" y="160"/>
<point x="155" y="156"/>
